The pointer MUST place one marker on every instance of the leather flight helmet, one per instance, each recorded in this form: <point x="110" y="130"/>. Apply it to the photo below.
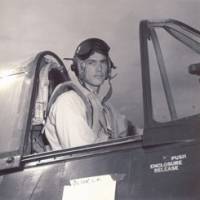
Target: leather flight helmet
<point x="87" y="48"/>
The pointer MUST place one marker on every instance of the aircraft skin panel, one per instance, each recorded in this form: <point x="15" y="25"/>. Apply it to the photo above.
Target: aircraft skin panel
<point x="163" y="172"/>
<point x="47" y="182"/>
<point x="168" y="172"/>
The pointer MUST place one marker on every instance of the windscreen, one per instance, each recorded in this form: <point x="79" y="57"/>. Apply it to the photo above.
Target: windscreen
<point x="10" y="94"/>
<point x="183" y="87"/>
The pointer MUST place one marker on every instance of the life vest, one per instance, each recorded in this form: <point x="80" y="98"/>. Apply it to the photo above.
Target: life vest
<point x="107" y="121"/>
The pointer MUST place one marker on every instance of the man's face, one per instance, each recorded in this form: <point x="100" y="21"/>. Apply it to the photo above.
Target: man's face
<point x="94" y="69"/>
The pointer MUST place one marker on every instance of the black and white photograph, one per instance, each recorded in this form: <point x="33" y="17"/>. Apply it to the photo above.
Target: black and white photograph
<point x="99" y="100"/>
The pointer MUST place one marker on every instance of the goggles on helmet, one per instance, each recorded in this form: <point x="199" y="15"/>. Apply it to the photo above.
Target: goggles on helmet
<point x="89" y="46"/>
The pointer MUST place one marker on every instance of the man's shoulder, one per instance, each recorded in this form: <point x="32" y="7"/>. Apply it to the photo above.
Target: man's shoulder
<point x="69" y="102"/>
<point x="69" y="95"/>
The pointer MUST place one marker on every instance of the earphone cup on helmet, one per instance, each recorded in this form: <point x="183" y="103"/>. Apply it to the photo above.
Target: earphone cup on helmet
<point x="74" y="68"/>
<point x="110" y="66"/>
<point x="108" y="75"/>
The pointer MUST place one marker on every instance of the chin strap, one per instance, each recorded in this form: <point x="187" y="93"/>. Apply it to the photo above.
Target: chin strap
<point x="109" y="93"/>
<point x="110" y="90"/>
